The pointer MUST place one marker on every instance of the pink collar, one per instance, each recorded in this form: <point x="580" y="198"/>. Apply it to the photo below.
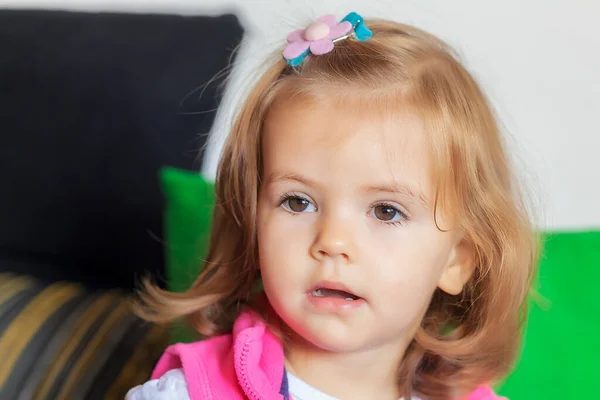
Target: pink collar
<point x="247" y="364"/>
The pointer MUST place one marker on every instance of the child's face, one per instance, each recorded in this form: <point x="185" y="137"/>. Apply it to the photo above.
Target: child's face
<point x="346" y="203"/>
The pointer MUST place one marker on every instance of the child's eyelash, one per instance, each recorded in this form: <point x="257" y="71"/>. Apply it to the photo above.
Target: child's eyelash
<point x="289" y="195"/>
<point x="395" y="207"/>
<point x="283" y="197"/>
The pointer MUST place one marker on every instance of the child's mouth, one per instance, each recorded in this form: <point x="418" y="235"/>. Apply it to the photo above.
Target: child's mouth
<point x="334" y="293"/>
<point x="334" y="297"/>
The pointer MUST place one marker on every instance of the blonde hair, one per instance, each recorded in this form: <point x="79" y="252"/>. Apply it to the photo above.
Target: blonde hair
<point x="464" y="340"/>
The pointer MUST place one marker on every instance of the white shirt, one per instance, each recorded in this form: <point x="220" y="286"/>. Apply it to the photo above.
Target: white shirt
<point x="301" y="390"/>
<point x="172" y="386"/>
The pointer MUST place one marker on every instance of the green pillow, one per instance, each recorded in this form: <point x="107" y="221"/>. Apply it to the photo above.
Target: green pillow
<point x="561" y="344"/>
<point x="189" y="203"/>
<point x="187" y="219"/>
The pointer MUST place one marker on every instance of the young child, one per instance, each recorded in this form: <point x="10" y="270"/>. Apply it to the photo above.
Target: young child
<point x="365" y="187"/>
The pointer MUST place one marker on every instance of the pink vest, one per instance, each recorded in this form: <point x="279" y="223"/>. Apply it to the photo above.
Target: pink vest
<point x="247" y="364"/>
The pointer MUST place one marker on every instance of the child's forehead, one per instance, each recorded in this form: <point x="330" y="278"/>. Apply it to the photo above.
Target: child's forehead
<point x="350" y="98"/>
<point x="325" y="139"/>
<point x="334" y="119"/>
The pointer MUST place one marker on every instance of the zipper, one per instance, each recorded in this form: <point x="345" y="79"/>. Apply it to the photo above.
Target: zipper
<point x="245" y="382"/>
<point x="244" y="379"/>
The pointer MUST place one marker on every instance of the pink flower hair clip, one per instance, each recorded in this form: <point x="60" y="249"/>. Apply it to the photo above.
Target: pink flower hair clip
<point x="318" y="37"/>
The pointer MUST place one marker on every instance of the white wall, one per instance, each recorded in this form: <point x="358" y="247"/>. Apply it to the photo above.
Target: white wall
<point x="539" y="60"/>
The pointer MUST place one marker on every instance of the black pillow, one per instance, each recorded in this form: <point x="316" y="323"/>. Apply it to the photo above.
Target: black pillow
<point x="91" y="107"/>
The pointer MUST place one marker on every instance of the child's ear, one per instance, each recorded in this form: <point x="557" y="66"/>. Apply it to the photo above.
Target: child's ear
<point x="460" y="267"/>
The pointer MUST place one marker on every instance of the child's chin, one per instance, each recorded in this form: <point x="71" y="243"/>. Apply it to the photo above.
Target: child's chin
<point x="341" y="347"/>
<point x="326" y="334"/>
<point x="336" y="342"/>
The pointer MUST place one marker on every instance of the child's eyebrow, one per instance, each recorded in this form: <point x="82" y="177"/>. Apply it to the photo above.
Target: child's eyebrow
<point x="393" y="188"/>
<point x="401" y="190"/>
<point x="288" y="176"/>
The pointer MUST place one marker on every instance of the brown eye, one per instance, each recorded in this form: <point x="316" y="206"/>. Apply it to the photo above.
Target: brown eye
<point x="386" y="213"/>
<point x="298" y="204"/>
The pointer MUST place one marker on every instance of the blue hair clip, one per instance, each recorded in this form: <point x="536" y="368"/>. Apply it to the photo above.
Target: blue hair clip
<point x="318" y="38"/>
<point x="361" y="32"/>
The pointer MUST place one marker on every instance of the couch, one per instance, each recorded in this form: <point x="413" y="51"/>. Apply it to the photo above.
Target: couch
<point x="92" y="107"/>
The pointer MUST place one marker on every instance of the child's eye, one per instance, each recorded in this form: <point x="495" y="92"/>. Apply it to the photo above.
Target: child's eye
<point x="297" y="204"/>
<point x="388" y="213"/>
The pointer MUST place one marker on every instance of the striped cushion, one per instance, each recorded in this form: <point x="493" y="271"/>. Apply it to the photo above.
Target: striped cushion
<point x="59" y="341"/>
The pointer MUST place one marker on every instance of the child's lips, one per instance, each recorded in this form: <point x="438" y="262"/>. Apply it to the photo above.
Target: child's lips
<point x="335" y="304"/>
<point x="340" y="294"/>
<point x="333" y="289"/>
<point x="334" y="296"/>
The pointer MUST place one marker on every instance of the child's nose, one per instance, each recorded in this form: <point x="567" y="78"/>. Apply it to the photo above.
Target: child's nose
<point x="334" y="239"/>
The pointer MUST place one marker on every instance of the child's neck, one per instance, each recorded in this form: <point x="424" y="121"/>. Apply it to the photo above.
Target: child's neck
<point x="366" y="375"/>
